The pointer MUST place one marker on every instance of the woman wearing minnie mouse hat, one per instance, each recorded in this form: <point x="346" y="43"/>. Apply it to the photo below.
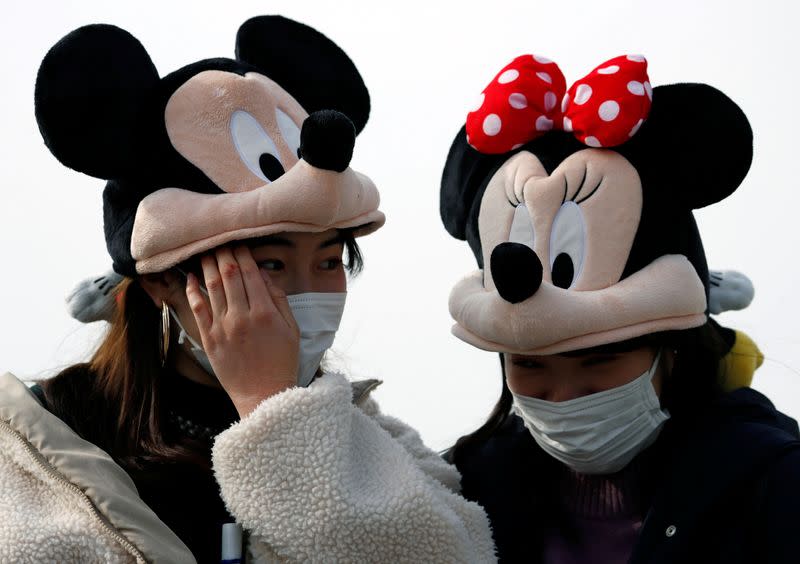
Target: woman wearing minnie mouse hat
<point x="228" y="206"/>
<point x="615" y="438"/>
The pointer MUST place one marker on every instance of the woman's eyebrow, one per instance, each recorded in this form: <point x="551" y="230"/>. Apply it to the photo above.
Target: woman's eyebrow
<point x="275" y="241"/>
<point x="335" y="240"/>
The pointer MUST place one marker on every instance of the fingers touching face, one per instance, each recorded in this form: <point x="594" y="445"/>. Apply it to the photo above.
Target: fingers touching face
<point x="230" y="278"/>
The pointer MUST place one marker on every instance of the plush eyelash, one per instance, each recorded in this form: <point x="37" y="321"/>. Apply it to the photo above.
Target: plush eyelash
<point x="583" y="180"/>
<point x="514" y="202"/>
<point x="580" y="188"/>
<point x="566" y="190"/>
<point x="591" y="193"/>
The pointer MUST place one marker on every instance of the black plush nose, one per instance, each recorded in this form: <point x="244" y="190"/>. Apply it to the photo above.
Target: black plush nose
<point x="327" y="140"/>
<point x="516" y="271"/>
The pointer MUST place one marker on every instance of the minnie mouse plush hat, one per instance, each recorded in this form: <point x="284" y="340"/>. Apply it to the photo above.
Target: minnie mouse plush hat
<point x="217" y="151"/>
<point x="577" y="204"/>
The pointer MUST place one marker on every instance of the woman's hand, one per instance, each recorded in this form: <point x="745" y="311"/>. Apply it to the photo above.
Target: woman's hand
<point x="248" y="330"/>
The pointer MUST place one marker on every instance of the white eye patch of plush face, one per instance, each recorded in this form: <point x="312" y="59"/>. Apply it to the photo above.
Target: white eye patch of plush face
<point x="243" y="133"/>
<point x="555" y="247"/>
<point x="258" y="150"/>
<point x="256" y="147"/>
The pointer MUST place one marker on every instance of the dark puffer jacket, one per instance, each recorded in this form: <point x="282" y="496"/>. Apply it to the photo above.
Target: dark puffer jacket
<point x="726" y="488"/>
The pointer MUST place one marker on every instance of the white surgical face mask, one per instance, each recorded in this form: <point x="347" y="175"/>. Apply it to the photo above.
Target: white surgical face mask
<point x="599" y="433"/>
<point x="317" y="315"/>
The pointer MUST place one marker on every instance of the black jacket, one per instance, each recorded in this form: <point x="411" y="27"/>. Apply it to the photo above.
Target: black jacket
<point x="726" y="485"/>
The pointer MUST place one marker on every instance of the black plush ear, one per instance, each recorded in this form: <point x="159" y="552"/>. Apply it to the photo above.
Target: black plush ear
<point x="464" y="179"/>
<point x="90" y="93"/>
<point x="308" y="65"/>
<point x="695" y="147"/>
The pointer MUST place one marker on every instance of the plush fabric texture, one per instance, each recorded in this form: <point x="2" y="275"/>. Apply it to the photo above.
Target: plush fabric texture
<point x="201" y="126"/>
<point x="516" y="271"/>
<point x="739" y="365"/>
<point x="214" y="127"/>
<point x="728" y="290"/>
<point x="609" y="105"/>
<point x="327" y="140"/>
<point x="88" y="100"/>
<point x="597" y="232"/>
<point x="287" y="51"/>
<point x="665" y="295"/>
<point x="522" y="102"/>
<point x="604" y="223"/>
<point x="92" y="299"/>
<point x="529" y="97"/>
<point x="344" y="488"/>
<point x="304" y="199"/>
<point x="310" y="475"/>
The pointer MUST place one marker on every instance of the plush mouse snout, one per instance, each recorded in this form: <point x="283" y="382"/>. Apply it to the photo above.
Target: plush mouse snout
<point x="516" y="271"/>
<point x="327" y="140"/>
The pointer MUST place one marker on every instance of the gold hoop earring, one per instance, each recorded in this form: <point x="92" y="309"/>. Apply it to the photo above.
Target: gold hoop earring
<point x="164" y="349"/>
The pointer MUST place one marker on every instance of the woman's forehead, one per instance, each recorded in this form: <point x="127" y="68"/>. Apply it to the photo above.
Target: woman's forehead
<point x="621" y="347"/>
<point x="300" y="240"/>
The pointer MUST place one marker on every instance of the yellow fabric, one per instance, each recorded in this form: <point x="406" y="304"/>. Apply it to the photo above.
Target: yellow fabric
<point x="736" y="368"/>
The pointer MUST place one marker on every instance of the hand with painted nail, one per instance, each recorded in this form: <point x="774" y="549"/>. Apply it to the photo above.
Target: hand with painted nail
<point x="247" y="328"/>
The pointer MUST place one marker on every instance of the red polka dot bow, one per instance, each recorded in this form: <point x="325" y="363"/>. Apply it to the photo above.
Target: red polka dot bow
<point x="529" y="97"/>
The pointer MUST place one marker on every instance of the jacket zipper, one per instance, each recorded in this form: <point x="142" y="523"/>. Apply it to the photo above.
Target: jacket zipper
<point x="40" y="461"/>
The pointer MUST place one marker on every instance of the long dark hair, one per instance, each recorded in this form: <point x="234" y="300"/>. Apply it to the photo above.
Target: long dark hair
<point x="691" y="385"/>
<point x="115" y="399"/>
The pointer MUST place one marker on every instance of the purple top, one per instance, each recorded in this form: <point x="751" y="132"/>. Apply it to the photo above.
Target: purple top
<point x="600" y="517"/>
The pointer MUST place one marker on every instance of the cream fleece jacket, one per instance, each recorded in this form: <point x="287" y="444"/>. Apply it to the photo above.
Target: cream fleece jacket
<point x="311" y="475"/>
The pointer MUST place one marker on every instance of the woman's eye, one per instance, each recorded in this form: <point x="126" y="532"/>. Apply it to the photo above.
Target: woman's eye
<point x="331" y="264"/>
<point x="528" y="364"/>
<point x="271" y="265"/>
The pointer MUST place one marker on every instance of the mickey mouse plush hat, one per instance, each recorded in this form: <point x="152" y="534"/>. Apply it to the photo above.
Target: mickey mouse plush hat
<point x="217" y="151"/>
<point x="577" y="204"/>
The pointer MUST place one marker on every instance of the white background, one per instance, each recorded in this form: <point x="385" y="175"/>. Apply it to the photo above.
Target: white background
<point x="424" y="63"/>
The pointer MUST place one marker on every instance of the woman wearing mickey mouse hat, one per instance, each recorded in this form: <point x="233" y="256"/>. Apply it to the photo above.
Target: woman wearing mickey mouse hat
<point x="616" y="438"/>
<point x="228" y="206"/>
